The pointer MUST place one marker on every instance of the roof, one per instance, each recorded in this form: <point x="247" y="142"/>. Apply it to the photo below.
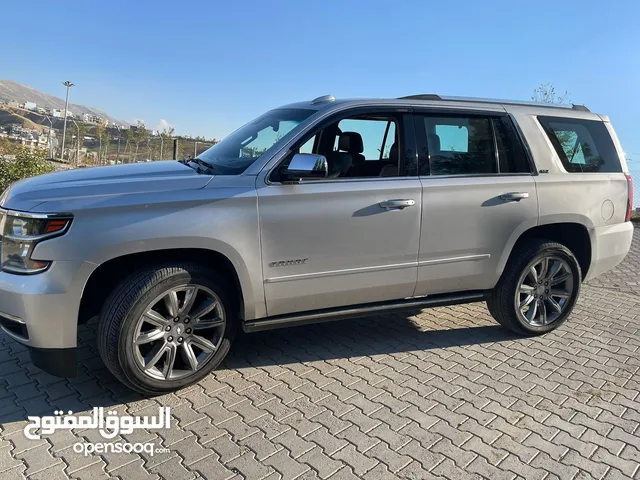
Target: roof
<point x="433" y="100"/>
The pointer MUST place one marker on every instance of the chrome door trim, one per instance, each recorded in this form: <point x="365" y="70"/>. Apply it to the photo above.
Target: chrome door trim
<point x="348" y="271"/>
<point x="464" y="258"/>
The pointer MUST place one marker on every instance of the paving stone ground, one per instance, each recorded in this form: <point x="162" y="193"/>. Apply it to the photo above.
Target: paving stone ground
<point x="442" y="393"/>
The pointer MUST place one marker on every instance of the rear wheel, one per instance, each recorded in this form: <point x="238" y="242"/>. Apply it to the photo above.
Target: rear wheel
<point x="538" y="289"/>
<point x="166" y="327"/>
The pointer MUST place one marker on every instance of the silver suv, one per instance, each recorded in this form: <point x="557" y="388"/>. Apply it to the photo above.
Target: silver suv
<point x="315" y="211"/>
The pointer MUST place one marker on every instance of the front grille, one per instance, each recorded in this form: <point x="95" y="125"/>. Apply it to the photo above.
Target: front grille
<point x="14" y="327"/>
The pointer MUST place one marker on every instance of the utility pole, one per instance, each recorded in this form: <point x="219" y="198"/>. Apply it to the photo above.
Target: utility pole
<point x="161" y="144"/>
<point x="195" y="149"/>
<point x="67" y="84"/>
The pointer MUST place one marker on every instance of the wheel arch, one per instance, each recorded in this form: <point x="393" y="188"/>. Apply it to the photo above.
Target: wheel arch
<point x="112" y="271"/>
<point x="573" y="235"/>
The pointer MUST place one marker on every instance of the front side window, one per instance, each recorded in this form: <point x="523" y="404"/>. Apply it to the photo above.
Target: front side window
<point x="582" y="145"/>
<point x="460" y="145"/>
<point x="359" y="147"/>
<point x="239" y="150"/>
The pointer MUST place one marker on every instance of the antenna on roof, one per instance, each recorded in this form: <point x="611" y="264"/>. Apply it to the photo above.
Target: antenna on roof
<point x="323" y="99"/>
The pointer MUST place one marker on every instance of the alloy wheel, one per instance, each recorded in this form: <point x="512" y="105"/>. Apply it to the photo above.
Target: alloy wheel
<point x="179" y="332"/>
<point x="545" y="290"/>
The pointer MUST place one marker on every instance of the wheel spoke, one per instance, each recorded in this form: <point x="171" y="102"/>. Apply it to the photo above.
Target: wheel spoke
<point x="205" y="307"/>
<point x="189" y="356"/>
<point x="559" y="293"/>
<point x="543" y="312"/>
<point x="150" y="336"/>
<point x="531" y="313"/>
<point x="189" y="298"/>
<point x="170" y="361"/>
<point x="544" y="268"/>
<point x="555" y="306"/>
<point x="526" y="302"/>
<point x="156" y="353"/>
<point x="533" y="274"/>
<point x="557" y="266"/>
<point x="203" y="343"/>
<point x="524" y="288"/>
<point x="209" y="323"/>
<point x="154" y="318"/>
<point x="171" y="301"/>
<point x="561" y="278"/>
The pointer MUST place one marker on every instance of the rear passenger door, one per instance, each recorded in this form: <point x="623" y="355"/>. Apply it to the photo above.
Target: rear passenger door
<point x="478" y="197"/>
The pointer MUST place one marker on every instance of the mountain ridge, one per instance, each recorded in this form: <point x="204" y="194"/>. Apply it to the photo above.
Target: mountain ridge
<point x="14" y="91"/>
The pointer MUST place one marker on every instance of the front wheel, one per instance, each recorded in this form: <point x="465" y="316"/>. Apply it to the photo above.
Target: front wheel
<point x="538" y="289"/>
<point x="166" y="327"/>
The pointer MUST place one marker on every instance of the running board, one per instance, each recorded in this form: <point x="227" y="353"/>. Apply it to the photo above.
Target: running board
<point x="367" y="309"/>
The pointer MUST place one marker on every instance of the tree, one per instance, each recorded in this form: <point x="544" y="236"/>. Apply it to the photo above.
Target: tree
<point x="166" y="136"/>
<point x="140" y="135"/>
<point x="129" y="140"/>
<point x="546" y="93"/>
<point x="100" y="136"/>
<point x="27" y="163"/>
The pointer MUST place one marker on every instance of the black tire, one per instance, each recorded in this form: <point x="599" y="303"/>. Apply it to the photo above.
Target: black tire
<point x="502" y="300"/>
<point x="125" y="305"/>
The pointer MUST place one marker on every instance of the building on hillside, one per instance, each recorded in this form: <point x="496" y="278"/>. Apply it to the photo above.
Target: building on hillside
<point x="13" y="104"/>
<point x="56" y="113"/>
<point x="41" y="110"/>
<point x="30" y="105"/>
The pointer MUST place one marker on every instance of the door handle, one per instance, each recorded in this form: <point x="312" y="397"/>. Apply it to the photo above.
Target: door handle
<point x="399" y="204"/>
<point x="514" y="196"/>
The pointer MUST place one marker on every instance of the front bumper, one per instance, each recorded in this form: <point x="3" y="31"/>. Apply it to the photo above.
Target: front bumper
<point x="41" y="312"/>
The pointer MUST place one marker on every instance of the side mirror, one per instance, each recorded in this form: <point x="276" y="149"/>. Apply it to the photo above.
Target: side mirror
<point x="307" y="165"/>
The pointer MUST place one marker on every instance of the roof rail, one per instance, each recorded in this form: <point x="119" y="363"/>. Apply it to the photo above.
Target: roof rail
<point x="433" y="96"/>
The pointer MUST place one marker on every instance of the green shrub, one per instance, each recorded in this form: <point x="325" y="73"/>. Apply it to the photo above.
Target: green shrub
<point x="27" y="163"/>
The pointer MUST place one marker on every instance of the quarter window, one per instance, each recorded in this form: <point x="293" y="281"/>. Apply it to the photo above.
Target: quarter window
<point x="582" y="145"/>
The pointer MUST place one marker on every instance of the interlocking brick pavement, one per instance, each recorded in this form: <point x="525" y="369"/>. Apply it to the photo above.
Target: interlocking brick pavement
<point x="440" y="393"/>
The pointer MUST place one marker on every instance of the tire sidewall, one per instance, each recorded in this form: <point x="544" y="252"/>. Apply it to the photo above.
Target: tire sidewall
<point x="129" y="365"/>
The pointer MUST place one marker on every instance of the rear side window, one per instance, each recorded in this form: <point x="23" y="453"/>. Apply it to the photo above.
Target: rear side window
<point x="582" y="145"/>
<point x="460" y="145"/>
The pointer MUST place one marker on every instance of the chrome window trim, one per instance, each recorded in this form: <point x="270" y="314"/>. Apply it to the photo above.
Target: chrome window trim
<point x="478" y="175"/>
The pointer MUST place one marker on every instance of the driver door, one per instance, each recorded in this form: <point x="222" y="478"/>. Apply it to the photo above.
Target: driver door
<point x="335" y="242"/>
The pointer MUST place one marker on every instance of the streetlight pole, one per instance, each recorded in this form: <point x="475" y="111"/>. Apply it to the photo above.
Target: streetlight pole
<point x="161" y="145"/>
<point x="67" y="84"/>
<point x="195" y="149"/>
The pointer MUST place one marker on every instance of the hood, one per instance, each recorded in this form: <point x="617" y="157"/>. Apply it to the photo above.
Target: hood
<point x="148" y="177"/>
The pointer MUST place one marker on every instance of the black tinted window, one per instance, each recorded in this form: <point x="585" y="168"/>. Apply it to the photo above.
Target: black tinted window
<point x="511" y="154"/>
<point x="582" y="145"/>
<point x="460" y="145"/>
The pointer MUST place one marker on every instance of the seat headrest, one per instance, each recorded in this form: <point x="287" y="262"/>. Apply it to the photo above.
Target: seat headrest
<point x="433" y="141"/>
<point x="393" y="153"/>
<point x="350" y="142"/>
<point x="339" y="163"/>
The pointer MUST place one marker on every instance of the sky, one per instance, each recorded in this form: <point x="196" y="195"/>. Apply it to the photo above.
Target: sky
<point x="206" y="67"/>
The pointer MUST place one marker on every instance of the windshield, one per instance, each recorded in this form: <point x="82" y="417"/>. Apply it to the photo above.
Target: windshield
<point x="236" y="152"/>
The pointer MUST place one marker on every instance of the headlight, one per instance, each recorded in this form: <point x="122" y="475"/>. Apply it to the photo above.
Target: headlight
<point x="21" y="232"/>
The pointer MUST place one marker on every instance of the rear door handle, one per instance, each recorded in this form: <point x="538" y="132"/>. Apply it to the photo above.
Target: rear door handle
<point x="399" y="204"/>
<point x="514" y="196"/>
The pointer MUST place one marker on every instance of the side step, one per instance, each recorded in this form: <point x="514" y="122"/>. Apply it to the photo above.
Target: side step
<point x="367" y="309"/>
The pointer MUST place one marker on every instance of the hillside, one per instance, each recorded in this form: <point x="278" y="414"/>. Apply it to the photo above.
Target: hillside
<point x="10" y="90"/>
